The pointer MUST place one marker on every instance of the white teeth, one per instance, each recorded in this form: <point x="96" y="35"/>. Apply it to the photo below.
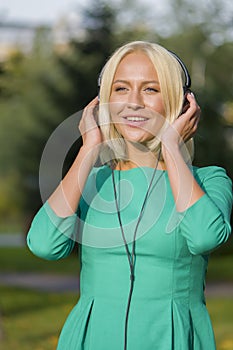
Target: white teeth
<point x="135" y="119"/>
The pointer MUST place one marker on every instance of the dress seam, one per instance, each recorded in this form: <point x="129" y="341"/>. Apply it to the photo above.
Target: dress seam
<point x="173" y="266"/>
<point x="189" y="289"/>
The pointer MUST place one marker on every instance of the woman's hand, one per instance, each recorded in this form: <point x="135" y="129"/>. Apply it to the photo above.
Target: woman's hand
<point x="65" y="199"/>
<point x="186" y="191"/>
<point x="184" y="127"/>
<point x="88" y="127"/>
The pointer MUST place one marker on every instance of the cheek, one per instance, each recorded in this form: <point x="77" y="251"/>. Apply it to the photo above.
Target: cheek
<point x="158" y="106"/>
<point x="115" y="108"/>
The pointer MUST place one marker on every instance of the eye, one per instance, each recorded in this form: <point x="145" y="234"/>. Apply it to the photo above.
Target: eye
<point x="151" y="89"/>
<point x="120" y="88"/>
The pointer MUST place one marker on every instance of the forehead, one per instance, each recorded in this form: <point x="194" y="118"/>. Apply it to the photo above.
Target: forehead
<point x="136" y="64"/>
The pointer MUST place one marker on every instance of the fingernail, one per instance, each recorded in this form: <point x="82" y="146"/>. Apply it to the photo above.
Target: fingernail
<point x="192" y="94"/>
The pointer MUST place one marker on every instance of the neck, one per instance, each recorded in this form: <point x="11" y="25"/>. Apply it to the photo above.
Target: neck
<point x="139" y="156"/>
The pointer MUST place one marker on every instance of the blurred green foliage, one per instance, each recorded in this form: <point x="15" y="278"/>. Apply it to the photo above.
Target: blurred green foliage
<point x="24" y="313"/>
<point x="14" y="259"/>
<point x="41" y="89"/>
<point x="19" y="260"/>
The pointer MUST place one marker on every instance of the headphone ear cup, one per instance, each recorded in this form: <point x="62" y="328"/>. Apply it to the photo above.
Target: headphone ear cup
<point x="99" y="82"/>
<point x="98" y="85"/>
<point x="185" y="101"/>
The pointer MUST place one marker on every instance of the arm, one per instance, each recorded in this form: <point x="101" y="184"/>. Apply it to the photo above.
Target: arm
<point x="51" y="235"/>
<point x="65" y="199"/>
<point x="186" y="191"/>
<point x="206" y="224"/>
<point x="204" y="208"/>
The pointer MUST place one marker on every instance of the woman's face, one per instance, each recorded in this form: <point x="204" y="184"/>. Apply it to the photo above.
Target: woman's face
<point x="136" y="104"/>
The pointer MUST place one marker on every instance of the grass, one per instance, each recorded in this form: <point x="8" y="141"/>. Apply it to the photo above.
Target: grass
<point x="221" y="311"/>
<point x="220" y="269"/>
<point x="22" y="260"/>
<point x="33" y="320"/>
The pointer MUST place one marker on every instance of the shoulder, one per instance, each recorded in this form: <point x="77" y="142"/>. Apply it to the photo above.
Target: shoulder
<point x="203" y="174"/>
<point x="94" y="185"/>
<point x="97" y="178"/>
<point x="99" y="173"/>
<point x="215" y="182"/>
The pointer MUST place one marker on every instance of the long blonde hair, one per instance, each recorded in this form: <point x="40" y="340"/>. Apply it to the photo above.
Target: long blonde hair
<point x="171" y="80"/>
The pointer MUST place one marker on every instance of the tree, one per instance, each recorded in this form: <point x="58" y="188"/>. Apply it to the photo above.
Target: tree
<point x="22" y="99"/>
<point x="210" y="67"/>
<point x="40" y="90"/>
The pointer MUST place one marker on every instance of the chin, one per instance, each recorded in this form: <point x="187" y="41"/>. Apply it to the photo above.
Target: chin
<point x="143" y="139"/>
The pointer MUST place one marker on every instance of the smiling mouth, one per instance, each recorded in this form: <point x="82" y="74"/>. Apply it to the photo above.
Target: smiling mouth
<point x="135" y="118"/>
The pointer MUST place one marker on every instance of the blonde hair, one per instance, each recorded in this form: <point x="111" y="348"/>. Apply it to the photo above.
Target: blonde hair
<point x="171" y="80"/>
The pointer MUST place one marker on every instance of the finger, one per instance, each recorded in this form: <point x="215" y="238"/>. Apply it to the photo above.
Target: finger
<point x="192" y="129"/>
<point x="93" y="102"/>
<point x="88" y="110"/>
<point x="192" y="101"/>
<point x="91" y="105"/>
<point x="87" y="121"/>
<point x="194" y="110"/>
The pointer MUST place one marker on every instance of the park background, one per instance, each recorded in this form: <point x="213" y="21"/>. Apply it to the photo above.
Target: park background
<point x="48" y="72"/>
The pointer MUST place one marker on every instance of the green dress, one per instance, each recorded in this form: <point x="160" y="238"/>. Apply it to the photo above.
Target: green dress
<point x="168" y="310"/>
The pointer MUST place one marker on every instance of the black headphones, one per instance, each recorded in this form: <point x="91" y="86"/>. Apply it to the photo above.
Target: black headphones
<point x="187" y="84"/>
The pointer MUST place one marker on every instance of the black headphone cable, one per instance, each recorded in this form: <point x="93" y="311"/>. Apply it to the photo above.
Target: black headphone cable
<point x="131" y="256"/>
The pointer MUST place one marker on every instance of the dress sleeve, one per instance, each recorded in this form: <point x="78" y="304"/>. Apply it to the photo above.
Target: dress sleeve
<point x="206" y="224"/>
<point x="51" y="237"/>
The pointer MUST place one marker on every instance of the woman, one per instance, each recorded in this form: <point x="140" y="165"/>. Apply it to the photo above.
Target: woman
<point x="146" y="219"/>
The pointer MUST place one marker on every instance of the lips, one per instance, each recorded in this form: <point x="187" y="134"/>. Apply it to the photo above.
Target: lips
<point x="135" y="120"/>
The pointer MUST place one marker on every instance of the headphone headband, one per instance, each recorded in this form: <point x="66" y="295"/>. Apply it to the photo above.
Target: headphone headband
<point x="187" y="83"/>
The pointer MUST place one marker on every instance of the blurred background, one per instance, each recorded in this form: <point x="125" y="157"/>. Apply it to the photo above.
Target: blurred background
<point x="51" y="53"/>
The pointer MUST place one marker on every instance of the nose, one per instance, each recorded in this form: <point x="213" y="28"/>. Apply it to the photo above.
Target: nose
<point x="135" y="100"/>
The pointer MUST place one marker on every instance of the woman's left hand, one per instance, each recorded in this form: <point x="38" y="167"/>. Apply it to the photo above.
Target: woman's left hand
<point x="184" y="127"/>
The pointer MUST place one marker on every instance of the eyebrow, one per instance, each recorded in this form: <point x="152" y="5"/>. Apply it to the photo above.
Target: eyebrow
<point x="144" y="82"/>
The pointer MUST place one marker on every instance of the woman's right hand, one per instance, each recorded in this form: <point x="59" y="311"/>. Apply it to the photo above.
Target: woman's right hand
<point x="88" y="127"/>
<point x="65" y="199"/>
